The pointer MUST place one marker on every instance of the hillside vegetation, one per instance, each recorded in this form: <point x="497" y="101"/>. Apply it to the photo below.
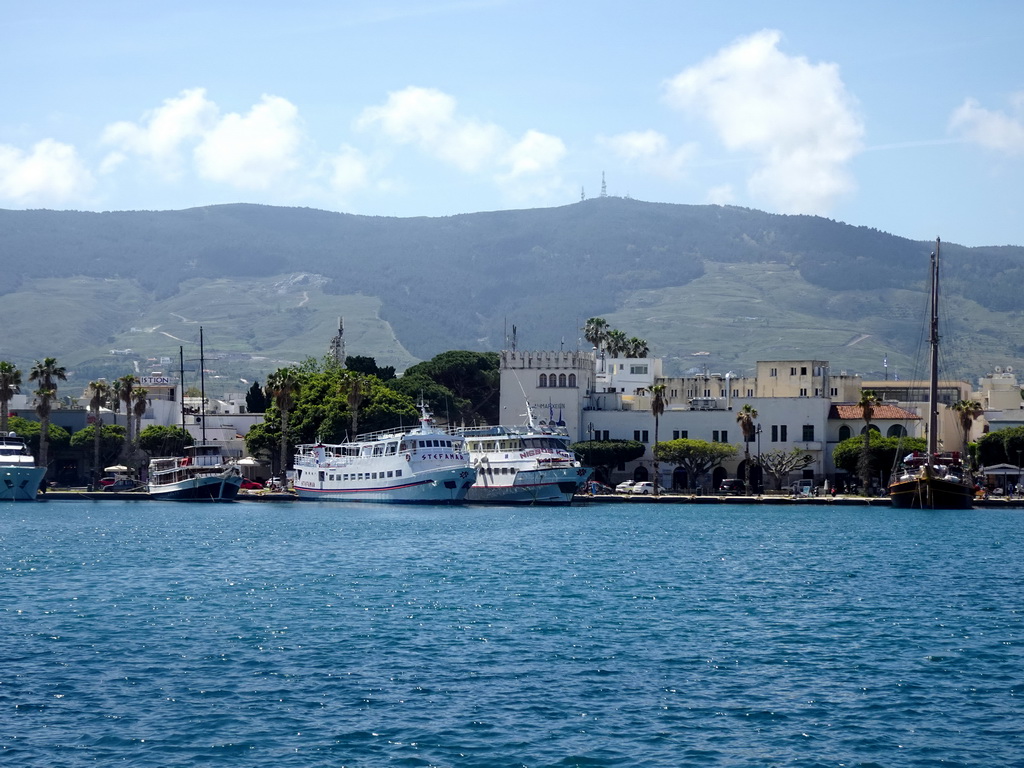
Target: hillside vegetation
<point x="268" y="285"/>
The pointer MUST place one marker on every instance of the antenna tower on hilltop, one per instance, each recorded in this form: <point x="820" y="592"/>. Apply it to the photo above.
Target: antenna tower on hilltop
<point x="337" y="348"/>
<point x="604" y="187"/>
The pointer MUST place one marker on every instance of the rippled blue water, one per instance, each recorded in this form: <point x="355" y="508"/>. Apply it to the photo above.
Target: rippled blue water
<point x="152" y="634"/>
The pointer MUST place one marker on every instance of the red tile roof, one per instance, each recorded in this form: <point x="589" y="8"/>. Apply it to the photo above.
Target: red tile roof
<point x="881" y="412"/>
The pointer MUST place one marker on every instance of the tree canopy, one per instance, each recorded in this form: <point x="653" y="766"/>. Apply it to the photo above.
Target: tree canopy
<point x="697" y="457"/>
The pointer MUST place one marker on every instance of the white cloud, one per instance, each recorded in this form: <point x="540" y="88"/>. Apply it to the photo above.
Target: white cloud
<point x="255" y="150"/>
<point x="794" y="116"/>
<point x="429" y="119"/>
<point x="992" y="130"/>
<point x="51" y="174"/>
<point x="721" y="195"/>
<point x="651" y="151"/>
<point x="160" y="134"/>
<point x="349" y="171"/>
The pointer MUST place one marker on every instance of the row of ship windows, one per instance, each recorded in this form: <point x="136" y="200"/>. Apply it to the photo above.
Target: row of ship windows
<point x="779" y="433"/>
<point x="365" y="475"/>
<point x="561" y="380"/>
<point x="499" y="470"/>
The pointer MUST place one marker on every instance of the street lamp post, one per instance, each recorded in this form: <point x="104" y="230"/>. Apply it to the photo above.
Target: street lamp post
<point x="760" y="470"/>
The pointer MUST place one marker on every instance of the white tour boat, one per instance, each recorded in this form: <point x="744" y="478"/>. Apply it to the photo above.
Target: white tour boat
<point x="523" y="465"/>
<point x="202" y="474"/>
<point x="424" y="465"/>
<point x="19" y="475"/>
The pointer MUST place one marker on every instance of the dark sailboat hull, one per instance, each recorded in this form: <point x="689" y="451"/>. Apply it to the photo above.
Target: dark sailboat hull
<point x="930" y="493"/>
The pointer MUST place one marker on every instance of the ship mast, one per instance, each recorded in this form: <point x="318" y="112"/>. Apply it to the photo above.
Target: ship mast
<point x="933" y="342"/>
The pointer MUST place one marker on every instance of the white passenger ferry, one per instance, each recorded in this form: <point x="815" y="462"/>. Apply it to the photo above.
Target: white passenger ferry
<point x="425" y="465"/>
<point x="19" y="475"/>
<point x="531" y="464"/>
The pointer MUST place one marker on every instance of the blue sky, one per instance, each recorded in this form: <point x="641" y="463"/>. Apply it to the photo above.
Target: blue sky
<point x="903" y="116"/>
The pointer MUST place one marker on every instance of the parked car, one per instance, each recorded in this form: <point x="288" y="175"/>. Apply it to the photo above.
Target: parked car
<point x="802" y="487"/>
<point x="732" y="486"/>
<point x="117" y="483"/>
<point x="642" y="488"/>
<point x="251" y="485"/>
<point x="624" y="487"/>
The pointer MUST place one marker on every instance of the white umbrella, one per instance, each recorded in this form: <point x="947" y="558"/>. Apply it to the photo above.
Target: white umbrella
<point x="248" y="461"/>
<point x="116" y="468"/>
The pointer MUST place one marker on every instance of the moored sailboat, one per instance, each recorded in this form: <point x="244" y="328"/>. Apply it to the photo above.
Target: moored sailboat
<point x="934" y="480"/>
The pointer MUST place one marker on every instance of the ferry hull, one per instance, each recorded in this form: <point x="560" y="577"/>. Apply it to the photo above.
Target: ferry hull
<point x="543" y="486"/>
<point x="199" y="488"/>
<point x="446" y="486"/>
<point x="20" y="483"/>
<point x="930" y="493"/>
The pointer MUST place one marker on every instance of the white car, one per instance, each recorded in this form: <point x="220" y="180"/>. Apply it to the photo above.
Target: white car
<point x="624" y="487"/>
<point x="642" y="488"/>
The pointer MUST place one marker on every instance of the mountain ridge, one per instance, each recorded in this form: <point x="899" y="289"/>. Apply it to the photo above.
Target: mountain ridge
<point x="737" y="283"/>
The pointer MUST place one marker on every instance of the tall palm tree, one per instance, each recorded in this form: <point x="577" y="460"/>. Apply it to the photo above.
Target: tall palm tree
<point x="46" y="374"/>
<point x="967" y="412"/>
<point x="746" y="418"/>
<point x="99" y="391"/>
<point x="636" y="347"/>
<point x="128" y="383"/>
<point x="615" y="343"/>
<point x="10" y="380"/>
<point x="595" y="330"/>
<point x="283" y="386"/>
<point x="657" y="409"/>
<point x="140" y="401"/>
<point x="355" y="386"/>
<point x="867" y="404"/>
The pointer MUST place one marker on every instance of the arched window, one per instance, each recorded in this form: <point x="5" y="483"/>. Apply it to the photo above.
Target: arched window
<point x="572" y="379"/>
<point x="872" y="427"/>
<point x="896" y="430"/>
<point x="543" y="380"/>
<point x="561" y="380"/>
<point x="845" y="433"/>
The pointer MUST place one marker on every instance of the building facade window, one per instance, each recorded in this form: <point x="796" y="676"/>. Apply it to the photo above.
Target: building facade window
<point x="803" y="391"/>
<point x="572" y="379"/>
<point x="845" y="433"/>
<point x="808" y="436"/>
<point x="543" y="381"/>
<point x="640" y="435"/>
<point x="680" y="434"/>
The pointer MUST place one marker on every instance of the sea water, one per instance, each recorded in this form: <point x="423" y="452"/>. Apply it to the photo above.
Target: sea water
<point x="319" y="634"/>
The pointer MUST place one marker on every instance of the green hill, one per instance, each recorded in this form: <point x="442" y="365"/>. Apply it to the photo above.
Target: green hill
<point x="268" y="285"/>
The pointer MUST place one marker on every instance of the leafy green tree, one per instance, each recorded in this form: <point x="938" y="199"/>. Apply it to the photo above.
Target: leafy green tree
<point x="474" y="380"/>
<point x="354" y="386"/>
<point x="746" y="417"/>
<point x="1004" y="446"/>
<point x="636" y="347"/>
<point x="697" y="457"/>
<point x="368" y="365"/>
<point x="108" y="437"/>
<point x="157" y="440"/>
<point x="884" y="453"/>
<point x="255" y="399"/>
<point x="779" y="463"/>
<point x="127" y="394"/>
<point x="46" y="374"/>
<point x="31" y="433"/>
<point x="602" y="455"/>
<point x="616" y="342"/>
<point x="10" y="380"/>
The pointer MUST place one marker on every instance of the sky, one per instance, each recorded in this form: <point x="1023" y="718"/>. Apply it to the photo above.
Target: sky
<point x="903" y="116"/>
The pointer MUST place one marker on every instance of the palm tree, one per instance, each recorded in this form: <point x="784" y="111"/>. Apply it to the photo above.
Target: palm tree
<point x="140" y="401"/>
<point x="615" y="343"/>
<point x="99" y="391"/>
<point x="745" y="418"/>
<point x="595" y="330"/>
<point x="867" y="404"/>
<point x="636" y="347"/>
<point x="657" y="408"/>
<point x="46" y="373"/>
<point x="354" y="387"/>
<point x="128" y="383"/>
<point x="967" y="412"/>
<point x="10" y="380"/>
<point x="283" y="385"/>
